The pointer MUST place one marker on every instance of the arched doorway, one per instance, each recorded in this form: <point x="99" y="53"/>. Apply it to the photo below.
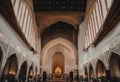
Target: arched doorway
<point x="86" y="75"/>
<point x="23" y="71"/>
<point x="91" y="72"/>
<point x="1" y="56"/>
<point x="59" y="37"/>
<point x="115" y="67"/>
<point x="31" y="72"/>
<point x="58" y="64"/>
<point x="101" y="70"/>
<point x="63" y="46"/>
<point x="10" y="68"/>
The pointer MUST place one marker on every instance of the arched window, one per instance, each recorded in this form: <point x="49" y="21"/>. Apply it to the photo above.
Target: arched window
<point x="11" y="66"/>
<point x="100" y="70"/>
<point x="114" y="65"/>
<point x="95" y="17"/>
<point x="25" y="19"/>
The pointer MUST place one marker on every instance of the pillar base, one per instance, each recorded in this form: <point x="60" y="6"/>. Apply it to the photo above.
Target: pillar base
<point x="108" y="75"/>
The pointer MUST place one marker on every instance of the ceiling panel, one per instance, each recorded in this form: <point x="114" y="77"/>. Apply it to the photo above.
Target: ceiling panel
<point x="59" y="5"/>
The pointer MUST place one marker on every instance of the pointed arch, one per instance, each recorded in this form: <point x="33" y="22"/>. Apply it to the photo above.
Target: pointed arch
<point x="114" y="65"/>
<point x="61" y="41"/>
<point x="11" y="66"/>
<point x="100" y="69"/>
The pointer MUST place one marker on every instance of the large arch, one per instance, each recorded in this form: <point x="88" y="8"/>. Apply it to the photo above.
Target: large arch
<point x="100" y="70"/>
<point x="59" y="29"/>
<point x="11" y="66"/>
<point x="57" y="17"/>
<point x="59" y="45"/>
<point x="114" y="65"/>
<point x="61" y="41"/>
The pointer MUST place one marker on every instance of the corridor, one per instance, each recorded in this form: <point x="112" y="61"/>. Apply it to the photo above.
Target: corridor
<point x="59" y="40"/>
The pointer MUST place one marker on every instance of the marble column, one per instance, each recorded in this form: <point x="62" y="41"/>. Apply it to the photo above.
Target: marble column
<point x="2" y="67"/>
<point x="108" y="75"/>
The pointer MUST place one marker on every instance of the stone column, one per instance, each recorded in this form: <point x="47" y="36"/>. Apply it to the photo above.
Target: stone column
<point x="108" y="75"/>
<point x="27" y="74"/>
<point x="2" y="67"/>
<point x="88" y="74"/>
<point x="95" y="74"/>
<point x="33" y="77"/>
<point x="17" y="73"/>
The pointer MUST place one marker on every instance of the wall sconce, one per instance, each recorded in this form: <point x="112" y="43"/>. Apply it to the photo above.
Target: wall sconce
<point x="31" y="73"/>
<point x="99" y="75"/>
<point x="12" y="73"/>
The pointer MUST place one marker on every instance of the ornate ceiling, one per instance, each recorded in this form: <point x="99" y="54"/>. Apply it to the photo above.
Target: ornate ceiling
<point x="48" y="12"/>
<point x="59" y="5"/>
<point x="59" y="29"/>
